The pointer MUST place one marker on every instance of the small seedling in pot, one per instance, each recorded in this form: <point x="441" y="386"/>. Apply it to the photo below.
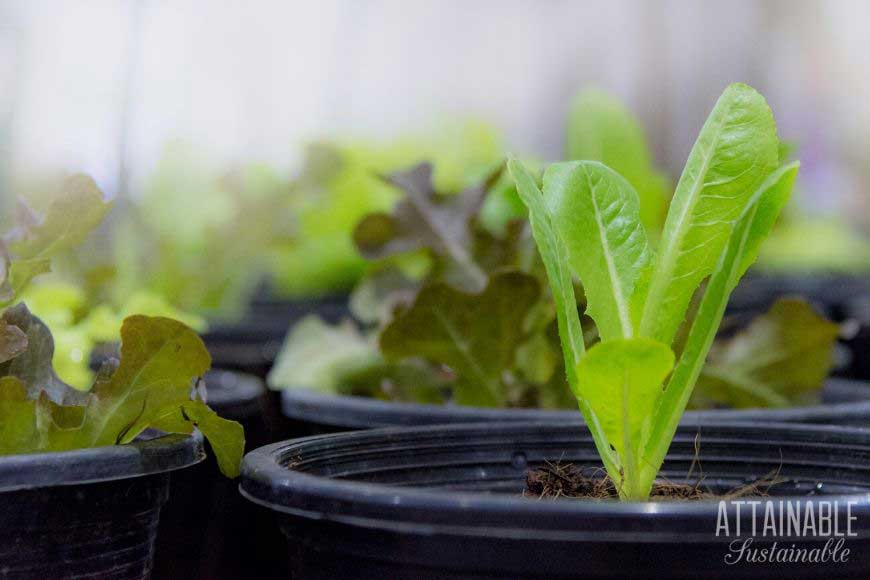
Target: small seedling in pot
<point x="155" y="384"/>
<point x="634" y="385"/>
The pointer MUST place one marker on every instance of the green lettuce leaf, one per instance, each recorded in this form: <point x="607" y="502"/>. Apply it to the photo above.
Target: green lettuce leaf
<point x="601" y="129"/>
<point x="735" y="151"/>
<point x="780" y="359"/>
<point x="27" y="249"/>
<point x="316" y="355"/>
<point x="622" y="381"/>
<point x="475" y="335"/>
<point x="226" y="438"/>
<point x="18" y="426"/>
<point x="750" y="230"/>
<point x="555" y="257"/>
<point x="597" y="215"/>
<point x="75" y="212"/>
<point x="160" y="361"/>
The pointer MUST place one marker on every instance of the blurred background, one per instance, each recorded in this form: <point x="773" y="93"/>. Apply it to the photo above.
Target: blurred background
<point x="243" y="139"/>
<point x="243" y="144"/>
<point x="105" y="86"/>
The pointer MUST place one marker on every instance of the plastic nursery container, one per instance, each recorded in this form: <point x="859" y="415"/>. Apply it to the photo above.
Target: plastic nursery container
<point x="830" y="293"/>
<point x="207" y="530"/>
<point x="90" y="513"/>
<point x="844" y="402"/>
<point x="252" y="344"/>
<point x="445" y="502"/>
<point x="858" y="312"/>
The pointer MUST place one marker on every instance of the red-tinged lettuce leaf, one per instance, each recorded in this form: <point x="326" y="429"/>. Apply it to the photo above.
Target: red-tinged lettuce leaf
<point x="376" y="296"/>
<point x="475" y="335"/>
<point x="425" y="219"/>
<point x="32" y="365"/>
<point x="13" y="341"/>
<point x="160" y="361"/>
<point x="782" y="358"/>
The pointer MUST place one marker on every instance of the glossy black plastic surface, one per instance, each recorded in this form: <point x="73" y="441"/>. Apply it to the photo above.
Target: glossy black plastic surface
<point x="844" y="402"/>
<point x="90" y="513"/>
<point x="445" y="502"/>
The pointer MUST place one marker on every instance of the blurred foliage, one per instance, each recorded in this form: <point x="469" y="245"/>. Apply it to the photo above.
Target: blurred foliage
<point x="336" y="189"/>
<point x="472" y="320"/>
<point x="414" y="225"/>
<point x="778" y="360"/>
<point x="196" y="238"/>
<point x="77" y="329"/>
<point x="600" y="128"/>
<point x="803" y="244"/>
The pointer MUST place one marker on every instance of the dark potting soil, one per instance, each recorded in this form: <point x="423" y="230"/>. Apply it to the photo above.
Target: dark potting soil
<point x="555" y="480"/>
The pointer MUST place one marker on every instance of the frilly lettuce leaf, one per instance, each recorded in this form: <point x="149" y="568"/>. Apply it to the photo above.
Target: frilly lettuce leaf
<point x="77" y="329"/>
<point x="151" y="386"/>
<point x="475" y="335"/>
<point x="424" y="219"/>
<point x="779" y="359"/>
<point x="328" y="202"/>
<point x="316" y="355"/>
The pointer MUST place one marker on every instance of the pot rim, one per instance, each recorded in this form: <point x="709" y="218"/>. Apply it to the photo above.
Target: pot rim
<point x="243" y="388"/>
<point x="267" y="482"/>
<point x="364" y="412"/>
<point x="148" y="455"/>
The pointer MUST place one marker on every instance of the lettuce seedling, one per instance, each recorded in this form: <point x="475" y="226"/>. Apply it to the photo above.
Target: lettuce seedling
<point x="634" y="385"/>
<point x="155" y="384"/>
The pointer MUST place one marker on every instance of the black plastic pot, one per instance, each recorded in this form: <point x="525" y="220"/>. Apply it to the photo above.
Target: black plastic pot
<point x="251" y="345"/>
<point x="444" y="502"/>
<point x="830" y="293"/>
<point x="207" y="530"/>
<point x="91" y="513"/>
<point x="844" y="402"/>
<point x="859" y="341"/>
<point x="330" y="307"/>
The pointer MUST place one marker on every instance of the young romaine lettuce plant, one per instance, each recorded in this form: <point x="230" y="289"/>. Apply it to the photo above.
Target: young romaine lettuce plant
<point x="634" y="385"/>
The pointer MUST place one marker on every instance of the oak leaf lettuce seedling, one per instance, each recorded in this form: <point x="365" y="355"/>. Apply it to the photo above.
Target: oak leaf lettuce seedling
<point x="633" y="387"/>
<point x="150" y="386"/>
<point x="154" y="385"/>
